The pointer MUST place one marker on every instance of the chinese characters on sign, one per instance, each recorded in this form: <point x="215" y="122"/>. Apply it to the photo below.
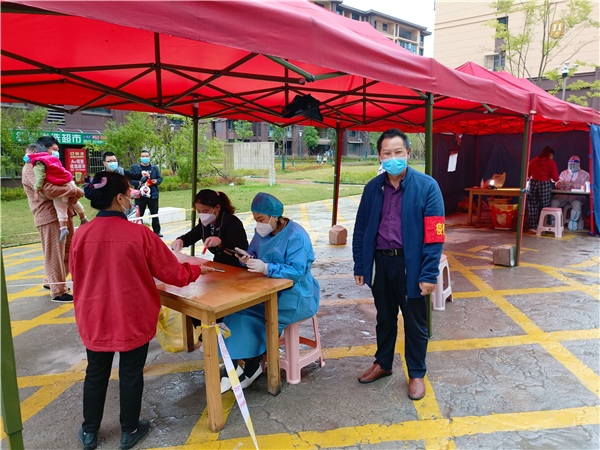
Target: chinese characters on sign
<point x="62" y="137"/>
<point x="75" y="159"/>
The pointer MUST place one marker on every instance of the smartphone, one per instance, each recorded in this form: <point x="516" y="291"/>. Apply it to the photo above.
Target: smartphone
<point x="233" y="252"/>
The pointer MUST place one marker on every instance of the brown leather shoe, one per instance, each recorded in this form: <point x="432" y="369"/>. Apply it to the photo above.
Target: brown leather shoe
<point x="375" y="372"/>
<point x="416" y="388"/>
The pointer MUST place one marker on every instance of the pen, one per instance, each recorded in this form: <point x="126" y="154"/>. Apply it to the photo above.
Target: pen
<point x="218" y="270"/>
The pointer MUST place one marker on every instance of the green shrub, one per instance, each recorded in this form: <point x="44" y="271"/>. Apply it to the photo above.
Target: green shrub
<point x="173" y="184"/>
<point x="10" y="194"/>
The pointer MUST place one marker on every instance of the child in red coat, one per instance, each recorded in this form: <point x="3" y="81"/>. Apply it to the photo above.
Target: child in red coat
<point x="48" y="167"/>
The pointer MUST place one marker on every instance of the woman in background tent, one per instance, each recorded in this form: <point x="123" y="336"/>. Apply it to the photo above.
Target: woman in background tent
<point x="543" y="173"/>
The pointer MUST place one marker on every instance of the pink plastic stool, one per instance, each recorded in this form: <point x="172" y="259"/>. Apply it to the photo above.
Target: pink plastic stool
<point x="292" y="362"/>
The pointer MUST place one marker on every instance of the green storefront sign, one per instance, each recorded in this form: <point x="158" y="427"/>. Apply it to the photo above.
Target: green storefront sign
<point x="64" y="138"/>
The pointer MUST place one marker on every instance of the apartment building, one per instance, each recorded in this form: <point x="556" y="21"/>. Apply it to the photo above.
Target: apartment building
<point x="461" y="36"/>
<point x="405" y="34"/>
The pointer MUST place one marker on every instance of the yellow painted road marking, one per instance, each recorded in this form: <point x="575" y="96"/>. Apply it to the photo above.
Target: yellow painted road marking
<point x="42" y="398"/>
<point x="478" y="248"/>
<point x="589" y="380"/>
<point x="16" y="262"/>
<point x="21" y="326"/>
<point x="201" y="433"/>
<point x="354" y="198"/>
<point x="417" y="429"/>
<point x="304" y="220"/>
<point x="593" y="261"/>
<point x="470" y="344"/>
<point x="22" y="275"/>
<point x="35" y="244"/>
<point x="427" y="408"/>
<point x="330" y="208"/>
<point x="75" y="375"/>
<point x="249" y="219"/>
<point x="21" y="253"/>
<point x="34" y="291"/>
<point x="547" y="290"/>
<point x="335" y="275"/>
<point x="346" y="301"/>
<point x="586" y="376"/>
<point x="525" y="248"/>
<point x="553" y="272"/>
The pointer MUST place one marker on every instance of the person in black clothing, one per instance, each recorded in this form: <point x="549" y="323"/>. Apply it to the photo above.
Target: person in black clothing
<point x="156" y="179"/>
<point x="219" y="229"/>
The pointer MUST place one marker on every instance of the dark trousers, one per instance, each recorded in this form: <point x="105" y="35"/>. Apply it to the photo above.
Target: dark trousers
<point x="538" y="198"/>
<point x="389" y="291"/>
<point x="131" y="385"/>
<point x="152" y="204"/>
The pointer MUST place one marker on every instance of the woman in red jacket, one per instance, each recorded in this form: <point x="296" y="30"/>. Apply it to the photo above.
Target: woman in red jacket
<point x="113" y="262"/>
<point x="542" y="172"/>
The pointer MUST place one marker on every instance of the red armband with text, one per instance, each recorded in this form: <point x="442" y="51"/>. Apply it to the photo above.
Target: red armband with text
<point x="434" y="230"/>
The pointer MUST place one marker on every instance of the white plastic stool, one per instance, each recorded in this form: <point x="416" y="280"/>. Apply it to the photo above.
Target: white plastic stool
<point x="293" y="362"/>
<point x="558" y="226"/>
<point x="441" y="293"/>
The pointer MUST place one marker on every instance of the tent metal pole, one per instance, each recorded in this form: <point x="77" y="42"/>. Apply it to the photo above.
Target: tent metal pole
<point x="429" y="171"/>
<point x="591" y="170"/>
<point x="194" y="170"/>
<point x="336" y="177"/>
<point x="476" y="160"/>
<point x="524" y="174"/>
<point x="428" y="133"/>
<point x="11" y="406"/>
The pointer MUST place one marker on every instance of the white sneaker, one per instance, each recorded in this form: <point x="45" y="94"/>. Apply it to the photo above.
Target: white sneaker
<point x="247" y="381"/>
<point x="226" y="383"/>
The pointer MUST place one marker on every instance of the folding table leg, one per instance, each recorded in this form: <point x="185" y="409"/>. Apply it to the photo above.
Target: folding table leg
<point x="211" y="373"/>
<point x="470" y="221"/>
<point x="272" y="324"/>
<point x="188" y="333"/>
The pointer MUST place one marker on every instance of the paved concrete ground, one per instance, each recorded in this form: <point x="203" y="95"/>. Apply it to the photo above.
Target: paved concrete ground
<point x="513" y="364"/>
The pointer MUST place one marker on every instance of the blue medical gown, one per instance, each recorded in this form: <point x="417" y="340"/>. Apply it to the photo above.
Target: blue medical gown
<point x="289" y="254"/>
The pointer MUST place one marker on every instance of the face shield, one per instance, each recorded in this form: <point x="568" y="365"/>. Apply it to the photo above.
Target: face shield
<point x="574" y="164"/>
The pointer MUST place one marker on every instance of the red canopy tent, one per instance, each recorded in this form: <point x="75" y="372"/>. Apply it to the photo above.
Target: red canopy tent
<point x="551" y="115"/>
<point x="241" y="60"/>
<point x="245" y="60"/>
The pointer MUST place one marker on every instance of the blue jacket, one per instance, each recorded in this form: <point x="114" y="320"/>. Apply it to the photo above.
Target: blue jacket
<point x="289" y="254"/>
<point x="136" y="169"/>
<point x="421" y="197"/>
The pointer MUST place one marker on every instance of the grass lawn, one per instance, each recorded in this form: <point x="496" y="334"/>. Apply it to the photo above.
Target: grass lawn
<point x="325" y="174"/>
<point x="17" y="219"/>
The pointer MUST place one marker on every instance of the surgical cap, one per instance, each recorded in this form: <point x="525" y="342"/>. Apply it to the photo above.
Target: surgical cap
<point x="267" y="204"/>
<point x="574" y="159"/>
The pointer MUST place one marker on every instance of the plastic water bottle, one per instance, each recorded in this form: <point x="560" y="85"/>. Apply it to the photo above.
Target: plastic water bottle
<point x="587" y="186"/>
<point x="482" y="184"/>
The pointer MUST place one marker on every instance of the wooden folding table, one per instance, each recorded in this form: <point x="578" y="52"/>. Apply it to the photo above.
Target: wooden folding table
<point x="216" y="295"/>
<point x="513" y="192"/>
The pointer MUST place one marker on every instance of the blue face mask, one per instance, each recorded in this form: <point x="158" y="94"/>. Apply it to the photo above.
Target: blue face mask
<point x="56" y="154"/>
<point x="112" y="166"/>
<point x="145" y="160"/>
<point x="26" y="158"/>
<point x="394" y="166"/>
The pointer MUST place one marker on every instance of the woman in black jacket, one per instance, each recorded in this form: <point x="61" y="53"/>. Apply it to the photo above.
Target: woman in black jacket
<point x="219" y="229"/>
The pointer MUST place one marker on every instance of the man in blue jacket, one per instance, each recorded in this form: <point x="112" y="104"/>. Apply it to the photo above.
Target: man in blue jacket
<point x="155" y="179"/>
<point x="397" y="245"/>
